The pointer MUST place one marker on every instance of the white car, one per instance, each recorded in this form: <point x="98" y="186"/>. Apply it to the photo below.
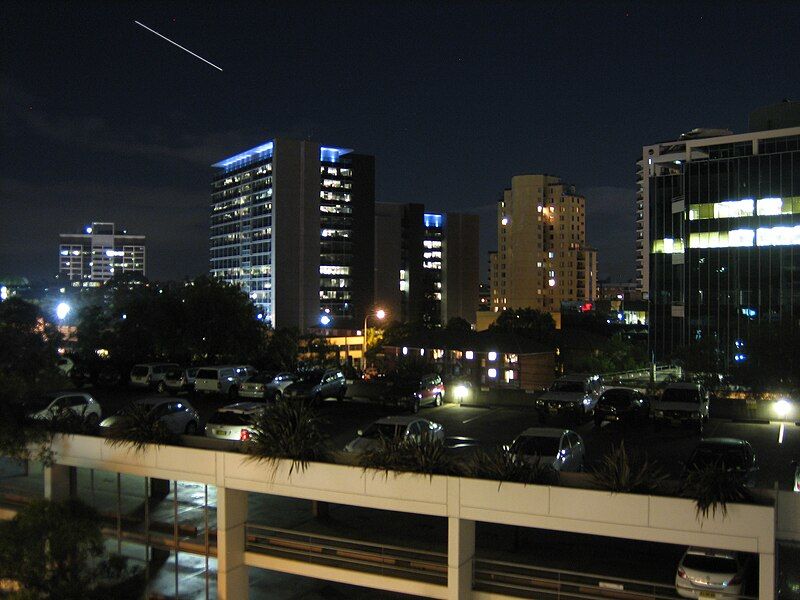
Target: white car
<point x="708" y="573"/>
<point x="234" y="422"/>
<point x="573" y="395"/>
<point x="563" y="449"/>
<point x="177" y="415"/>
<point x="392" y="428"/>
<point x="681" y="404"/>
<point x="58" y="403"/>
<point x="223" y="379"/>
<point x="265" y="386"/>
<point x="151" y="375"/>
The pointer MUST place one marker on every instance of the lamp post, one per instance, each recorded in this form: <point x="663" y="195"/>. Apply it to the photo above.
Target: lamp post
<point x="379" y="314"/>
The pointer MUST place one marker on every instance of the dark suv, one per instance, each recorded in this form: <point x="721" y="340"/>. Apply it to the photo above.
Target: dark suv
<point x="317" y="385"/>
<point x="413" y="393"/>
<point x="623" y="405"/>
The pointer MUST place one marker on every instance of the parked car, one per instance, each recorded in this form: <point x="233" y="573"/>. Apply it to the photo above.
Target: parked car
<point x="180" y="380"/>
<point x="234" y="422"/>
<point x="151" y="375"/>
<point x="54" y="404"/>
<point x="393" y="428"/>
<point x="563" y="449"/>
<point x="413" y="393"/>
<point x="266" y="386"/>
<point x="624" y="405"/>
<point x="575" y="395"/>
<point x="177" y="415"/>
<point x="223" y="379"/>
<point x="680" y="404"/>
<point x="708" y="573"/>
<point x="727" y="453"/>
<point x="317" y="385"/>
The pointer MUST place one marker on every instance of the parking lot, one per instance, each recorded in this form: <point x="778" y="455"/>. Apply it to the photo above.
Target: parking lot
<point x="468" y="427"/>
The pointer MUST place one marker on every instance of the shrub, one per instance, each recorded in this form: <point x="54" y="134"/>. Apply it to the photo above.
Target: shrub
<point x="290" y="430"/>
<point x="425" y="455"/>
<point x="135" y="427"/>
<point x="712" y="487"/>
<point x="621" y="472"/>
<point x="500" y="464"/>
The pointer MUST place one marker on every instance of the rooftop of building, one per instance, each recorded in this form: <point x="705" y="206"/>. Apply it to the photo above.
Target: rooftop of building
<point x="264" y="151"/>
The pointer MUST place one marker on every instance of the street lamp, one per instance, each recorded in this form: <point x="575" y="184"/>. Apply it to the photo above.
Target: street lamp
<point x="379" y="314"/>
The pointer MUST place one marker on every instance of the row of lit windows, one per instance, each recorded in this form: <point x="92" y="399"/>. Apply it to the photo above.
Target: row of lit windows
<point x="737" y="238"/>
<point x="745" y="208"/>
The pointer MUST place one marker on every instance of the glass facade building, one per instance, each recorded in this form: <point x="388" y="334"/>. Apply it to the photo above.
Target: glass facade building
<point x="724" y="239"/>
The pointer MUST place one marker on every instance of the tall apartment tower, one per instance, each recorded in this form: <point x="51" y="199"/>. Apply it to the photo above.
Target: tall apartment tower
<point x="426" y="264"/>
<point x="99" y="253"/>
<point x="292" y="223"/>
<point x="723" y="233"/>
<point x="542" y="258"/>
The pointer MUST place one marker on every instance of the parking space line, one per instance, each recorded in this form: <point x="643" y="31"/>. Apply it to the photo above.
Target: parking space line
<point x="475" y="418"/>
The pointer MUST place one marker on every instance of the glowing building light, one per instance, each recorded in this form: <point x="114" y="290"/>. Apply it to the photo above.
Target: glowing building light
<point x="62" y="310"/>
<point x="769" y="206"/>
<point x="469" y="355"/>
<point x="492" y="373"/>
<point x="504" y="221"/>
<point x="492" y="356"/>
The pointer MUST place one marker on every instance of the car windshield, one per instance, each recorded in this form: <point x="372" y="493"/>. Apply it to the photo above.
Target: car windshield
<point x="681" y="395"/>
<point x="615" y="396"/>
<point x="567" y="386"/>
<point x="710" y="564"/>
<point x="310" y="377"/>
<point x="728" y="458"/>
<point x="261" y="378"/>
<point x="139" y="371"/>
<point x="207" y="374"/>
<point x="227" y="417"/>
<point x="530" y="445"/>
<point x="385" y="430"/>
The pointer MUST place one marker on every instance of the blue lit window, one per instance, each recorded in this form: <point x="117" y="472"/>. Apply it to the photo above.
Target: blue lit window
<point x="433" y="220"/>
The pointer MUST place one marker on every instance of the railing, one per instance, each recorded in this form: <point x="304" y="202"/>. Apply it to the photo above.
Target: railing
<point x="525" y="581"/>
<point x="394" y="561"/>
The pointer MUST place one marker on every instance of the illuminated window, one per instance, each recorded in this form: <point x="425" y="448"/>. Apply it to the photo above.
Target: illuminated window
<point x="736" y="238"/>
<point x="778" y="236"/>
<point x="769" y="206"/>
<point x="667" y="246"/>
<point x="469" y="354"/>
<point x="551" y="282"/>
<point x="492" y="356"/>
<point x="492" y="373"/>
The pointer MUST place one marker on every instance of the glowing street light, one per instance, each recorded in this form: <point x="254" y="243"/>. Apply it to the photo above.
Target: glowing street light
<point x="62" y="310"/>
<point x="325" y="320"/>
<point x="379" y="314"/>
<point x="782" y="408"/>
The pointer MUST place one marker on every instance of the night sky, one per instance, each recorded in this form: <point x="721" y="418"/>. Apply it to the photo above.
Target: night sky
<point x="102" y="120"/>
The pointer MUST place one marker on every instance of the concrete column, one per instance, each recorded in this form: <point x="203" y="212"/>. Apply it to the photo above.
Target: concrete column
<point x="60" y="482"/>
<point x="766" y="576"/>
<point x="232" y="574"/>
<point x="460" y="552"/>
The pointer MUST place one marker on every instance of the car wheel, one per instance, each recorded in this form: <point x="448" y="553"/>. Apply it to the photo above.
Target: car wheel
<point x="191" y="428"/>
<point x="437" y="400"/>
<point x="160" y="387"/>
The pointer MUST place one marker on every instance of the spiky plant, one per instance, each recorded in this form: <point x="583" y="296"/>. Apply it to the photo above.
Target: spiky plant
<point x="136" y="427"/>
<point x="287" y="430"/>
<point x="712" y="487"/>
<point x="620" y="472"/>
<point x="69" y="422"/>
<point x="425" y="455"/>
<point x="500" y="464"/>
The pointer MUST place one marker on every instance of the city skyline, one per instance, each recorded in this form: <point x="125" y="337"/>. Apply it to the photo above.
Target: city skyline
<point x="450" y="108"/>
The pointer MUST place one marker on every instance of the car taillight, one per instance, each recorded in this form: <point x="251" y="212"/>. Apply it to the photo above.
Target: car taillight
<point x="244" y="435"/>
<point x="681" y="573"/>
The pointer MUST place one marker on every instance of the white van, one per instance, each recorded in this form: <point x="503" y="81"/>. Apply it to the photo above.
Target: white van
<point x="151" y="375"/>
<point x="222" y="379"/>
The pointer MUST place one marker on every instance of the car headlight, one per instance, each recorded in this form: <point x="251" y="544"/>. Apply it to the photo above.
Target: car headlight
<point x="540" y="403"/>
<point x="587" y="401"/>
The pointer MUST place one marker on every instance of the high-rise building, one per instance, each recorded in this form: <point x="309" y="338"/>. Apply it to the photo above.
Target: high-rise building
<point x="723" y="233"/>
<point x="292" y="223"/>
<point x="542" y="258"/>
<point x="99" y="253"/>
<point x="434" y="259"/>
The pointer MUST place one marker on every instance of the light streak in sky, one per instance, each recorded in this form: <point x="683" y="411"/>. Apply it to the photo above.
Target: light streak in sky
<point x="178" y="45"/>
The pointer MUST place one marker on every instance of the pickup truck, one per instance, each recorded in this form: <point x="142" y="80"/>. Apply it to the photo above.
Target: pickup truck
<point x="682" y="404"/>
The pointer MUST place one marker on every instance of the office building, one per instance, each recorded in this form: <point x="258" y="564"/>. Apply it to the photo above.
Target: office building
<point x="542" y="257"/>
<point x="100" y="252"/>
<point x="723" y="234"/>
<point x="435" y="256"/>
<point x="292" y="223"/>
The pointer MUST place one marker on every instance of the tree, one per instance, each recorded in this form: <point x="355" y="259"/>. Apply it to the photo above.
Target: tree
<point x="527" y="322"/>
<point x="458" y="325"/>
<point x="28" y="343"/>
<point x="51" y="550"/>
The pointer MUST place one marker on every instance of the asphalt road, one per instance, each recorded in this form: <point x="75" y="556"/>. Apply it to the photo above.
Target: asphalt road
<point x="488" y="427"/>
